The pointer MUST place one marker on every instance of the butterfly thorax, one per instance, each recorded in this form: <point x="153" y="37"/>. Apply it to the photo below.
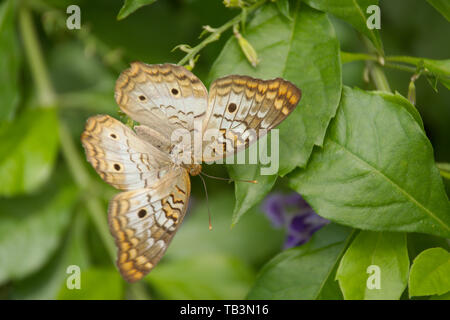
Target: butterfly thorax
<point x="193" y="169"/>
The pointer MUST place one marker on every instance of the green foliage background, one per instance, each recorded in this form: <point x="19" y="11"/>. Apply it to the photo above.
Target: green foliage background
<point x="360" y="153"/>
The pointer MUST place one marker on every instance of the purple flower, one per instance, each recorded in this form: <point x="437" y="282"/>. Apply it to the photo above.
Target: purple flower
<point x="293" y="213"/>
<point x="273" y="206"/>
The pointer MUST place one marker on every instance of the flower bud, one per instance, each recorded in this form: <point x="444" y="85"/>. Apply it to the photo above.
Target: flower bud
<point x="247" y="49"/>
<point x="412" y="92"/>
<point x="233" y="3"/>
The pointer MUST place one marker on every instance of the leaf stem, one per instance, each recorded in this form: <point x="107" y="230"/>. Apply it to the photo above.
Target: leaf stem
<point x="214" y="36"/>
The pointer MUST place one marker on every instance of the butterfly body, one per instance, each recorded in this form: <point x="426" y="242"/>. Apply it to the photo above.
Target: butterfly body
<point x="194" y="169"/>
<point x="152" y="163"/>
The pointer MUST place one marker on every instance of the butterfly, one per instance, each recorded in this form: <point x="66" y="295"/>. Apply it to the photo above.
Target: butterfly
<point x="144" y="162"/>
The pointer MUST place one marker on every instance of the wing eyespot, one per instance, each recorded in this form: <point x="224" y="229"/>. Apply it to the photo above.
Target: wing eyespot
<point x="114" y="136"/>
<point x="142" y="213"/>
<point x="117" y="167"/>
<point x="142" y="97"/>
<point x="232" y="107"/>
<point x="174" y="91"/>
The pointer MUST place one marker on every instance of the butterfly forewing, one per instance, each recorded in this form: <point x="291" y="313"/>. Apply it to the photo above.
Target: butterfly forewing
<point x="243" y="109"/>
<point x="162" y="96"/>
<point x="144" y="218"/>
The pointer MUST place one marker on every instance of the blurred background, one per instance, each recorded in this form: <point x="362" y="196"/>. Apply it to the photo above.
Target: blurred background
<point x="45" y="225"/>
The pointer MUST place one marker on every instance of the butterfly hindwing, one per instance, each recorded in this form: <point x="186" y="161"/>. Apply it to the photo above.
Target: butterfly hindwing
<point x="144" y="221"/>
<point x="243" y="109"/>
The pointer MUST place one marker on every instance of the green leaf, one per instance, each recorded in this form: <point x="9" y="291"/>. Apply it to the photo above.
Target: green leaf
<point x="253" y="240"/>
<point x="397" y="98"/>
<point x="438" y="67"/>
<point x="443" y="6"/>
<point x="354" y="12"/>
<point x="383" y="250"/>
<point x="445" y="296"/>
<point x="330" y="289"/>
<point x="376" y="170"/>
<point x="47" y="282"/>
<point x="131" y="6"/>
<point x="31" y="228"/>
<point x="444" y="169"/>
<point x="430" y="273"/>
<point x="418" y="242"/>
<point x="304" y="51"/>
<point x="248" y="194"/>
<point x="9" y="61"/>
<point x="283" y="7"/>
<point x="96" y="283"/>
<point x="28" y="151"/>
<point x="209" y="276"/>
<point x="302" y="272"/>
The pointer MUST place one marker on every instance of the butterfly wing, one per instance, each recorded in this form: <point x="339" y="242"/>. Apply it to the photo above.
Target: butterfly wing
<point x="144" y="218"/>
<point x="144" y="221"/>
<point x="243" y="109"/>
<point x="163" y="96"/>
<point x="120" y="157"/>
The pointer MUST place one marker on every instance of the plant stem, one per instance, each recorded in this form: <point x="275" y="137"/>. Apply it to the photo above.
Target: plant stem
<point x="375" y="70"/>
<point x="137" y="291"/>
<point x="81" y="177"/>
<point x="444" y="169"/>
<point x="404" y="59"/>
<point x="347" y="57"/>
<point x="217" y="32"/>
<point x="400" y="67"/>
<point x="379" y="78"/>
<point x="71" y="155"/>
<point x="47" y="97"/>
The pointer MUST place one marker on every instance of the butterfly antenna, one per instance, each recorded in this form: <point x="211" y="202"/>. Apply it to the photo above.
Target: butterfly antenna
<point x="227" y="179"/>
<point x="207" y="202"/>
